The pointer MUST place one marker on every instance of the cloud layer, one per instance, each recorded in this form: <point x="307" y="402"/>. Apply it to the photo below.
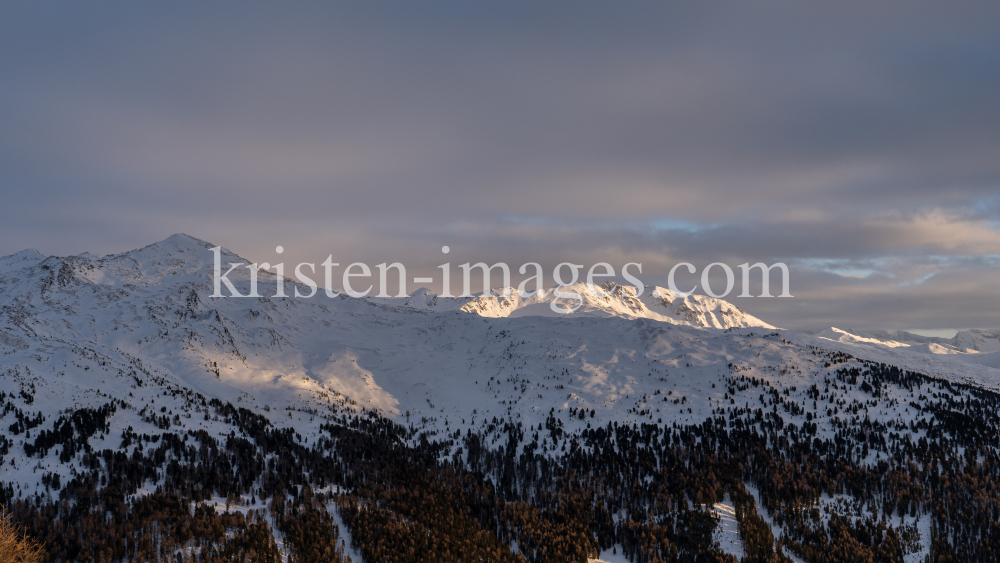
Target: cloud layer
<point x="858" y="142"/>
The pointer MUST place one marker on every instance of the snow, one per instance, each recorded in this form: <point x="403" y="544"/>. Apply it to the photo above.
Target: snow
<point x="727" y="534"/>
<point x="613" y="555"/>
<point x="349" y="550"/>
<point x="82" y="331"/>
<point x="20" y="260"/>
<point x="970" y="367"/>
<point x="775" y="529"/>
<point x="971" y="341"/>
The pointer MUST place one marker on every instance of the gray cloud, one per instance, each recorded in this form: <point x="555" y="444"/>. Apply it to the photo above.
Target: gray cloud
<point x="843" y="139"/>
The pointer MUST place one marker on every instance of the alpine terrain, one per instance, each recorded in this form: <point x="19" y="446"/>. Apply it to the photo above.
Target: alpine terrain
<point x="144" y="420"/>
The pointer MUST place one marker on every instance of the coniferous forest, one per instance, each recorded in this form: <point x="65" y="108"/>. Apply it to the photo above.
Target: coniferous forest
<point x="500" y="282"/>
<point x="511" y="492"/>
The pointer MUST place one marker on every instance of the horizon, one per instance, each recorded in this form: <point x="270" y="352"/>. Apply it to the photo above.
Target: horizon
<point x="944" y="333"/>
<point x="859" y="143"/>
<point x="520" y="282"/>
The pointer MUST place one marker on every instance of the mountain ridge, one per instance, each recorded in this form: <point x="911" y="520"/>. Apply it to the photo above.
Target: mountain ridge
<point x="135" y="348"/>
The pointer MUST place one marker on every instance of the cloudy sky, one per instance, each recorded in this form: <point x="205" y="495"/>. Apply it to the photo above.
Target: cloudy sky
<point x="857" y="142"/>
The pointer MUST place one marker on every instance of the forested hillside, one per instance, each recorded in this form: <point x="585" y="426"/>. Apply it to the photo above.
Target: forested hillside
<point x="873" y="491"/>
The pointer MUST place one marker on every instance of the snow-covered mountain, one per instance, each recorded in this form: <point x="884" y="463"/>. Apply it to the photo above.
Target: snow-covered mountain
<point x="153" y="305"/>
<point x="964" y="341"/>
<point x="20" y="260"/>
<point x="606" y="300"/>
<point x="936" y="354"/>
<point x="140" y="331"/>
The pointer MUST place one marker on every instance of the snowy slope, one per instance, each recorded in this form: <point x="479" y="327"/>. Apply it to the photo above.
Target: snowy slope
<point x="79" y="331"/>
<point x="20" y="260"/>
<point x="152" y="306"/>
<point x="954" y="358"/>
<point x="965" y="341"/>
<point x="605" y="300"/>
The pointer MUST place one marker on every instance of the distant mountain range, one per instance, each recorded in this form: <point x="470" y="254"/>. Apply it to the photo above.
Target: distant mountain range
<point x="121" y="374"/>
<point x="979" y="346"/>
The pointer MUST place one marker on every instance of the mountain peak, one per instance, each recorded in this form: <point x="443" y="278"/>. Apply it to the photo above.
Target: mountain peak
<point x="177" y="251"/>
<point x="180" y="242"/>
<point x="183" y="239"/>
<point x="19" y="260"/>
